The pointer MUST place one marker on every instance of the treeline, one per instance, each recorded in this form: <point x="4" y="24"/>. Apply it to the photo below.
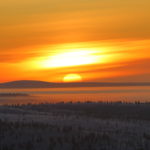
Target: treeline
<point x="13" y="94"/>
<point x="102" y="110"/>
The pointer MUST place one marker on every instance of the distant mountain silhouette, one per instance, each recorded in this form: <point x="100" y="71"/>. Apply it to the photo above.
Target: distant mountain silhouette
<point x="42" y="84"/>
<point x="26" y="84"/>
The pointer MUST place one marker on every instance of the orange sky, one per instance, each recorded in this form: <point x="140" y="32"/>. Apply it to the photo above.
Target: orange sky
<point x="101" y="40"/>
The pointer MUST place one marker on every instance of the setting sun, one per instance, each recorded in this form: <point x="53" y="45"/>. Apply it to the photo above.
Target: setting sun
<point x="41" y="42"/>
<point x="72" y="78"/>
<point x="74" y="74"/>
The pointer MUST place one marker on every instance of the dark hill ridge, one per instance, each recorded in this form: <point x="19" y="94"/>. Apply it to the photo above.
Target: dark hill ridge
<point x="26" y="84"/>
<point x="42" y="84"/>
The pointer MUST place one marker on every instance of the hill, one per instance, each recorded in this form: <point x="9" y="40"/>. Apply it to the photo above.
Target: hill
<point x="42" y="84"/>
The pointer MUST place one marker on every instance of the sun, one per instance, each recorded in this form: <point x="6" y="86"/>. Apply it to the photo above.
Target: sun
<point x="72" y="78"/>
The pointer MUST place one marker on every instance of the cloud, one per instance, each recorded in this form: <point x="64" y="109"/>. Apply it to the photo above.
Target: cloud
<point x="17" y="57"/>
<point x="40" y="23"/>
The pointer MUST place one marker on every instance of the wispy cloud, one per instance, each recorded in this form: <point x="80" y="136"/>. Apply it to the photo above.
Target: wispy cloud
<point x="31" y="32"/>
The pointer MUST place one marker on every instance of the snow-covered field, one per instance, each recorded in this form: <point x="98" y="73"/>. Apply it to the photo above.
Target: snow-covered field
<point x="80" y="126"/>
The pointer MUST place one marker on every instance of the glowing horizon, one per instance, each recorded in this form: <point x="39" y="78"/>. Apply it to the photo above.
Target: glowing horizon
<point x="100" y="40"/>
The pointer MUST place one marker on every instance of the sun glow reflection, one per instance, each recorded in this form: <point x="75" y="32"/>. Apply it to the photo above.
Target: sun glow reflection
<point x="73" y="57"/>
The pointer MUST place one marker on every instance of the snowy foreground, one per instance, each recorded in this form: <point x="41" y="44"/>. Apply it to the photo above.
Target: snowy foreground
<point x="80" y="126"/>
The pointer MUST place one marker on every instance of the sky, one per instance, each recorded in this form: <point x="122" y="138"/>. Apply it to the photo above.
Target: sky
<point x="65" y="40"/>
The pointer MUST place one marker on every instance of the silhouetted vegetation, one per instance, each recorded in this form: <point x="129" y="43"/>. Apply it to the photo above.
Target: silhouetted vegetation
<point x="75" y="126"/>
<point x="103" y="110"/>
<point x="13" y="94"/>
